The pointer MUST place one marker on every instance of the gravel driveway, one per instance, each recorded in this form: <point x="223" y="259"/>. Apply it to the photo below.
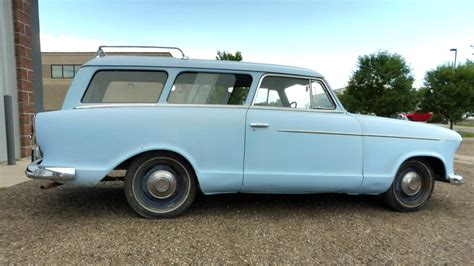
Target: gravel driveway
<point x="89" y="225"/>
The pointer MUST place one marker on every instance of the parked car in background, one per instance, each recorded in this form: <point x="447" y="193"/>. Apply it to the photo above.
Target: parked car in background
<point x="178" y="125"/>
<point x="468" y="116"/>
<point x="399" y="116"/>
<point x="420" y="117"/>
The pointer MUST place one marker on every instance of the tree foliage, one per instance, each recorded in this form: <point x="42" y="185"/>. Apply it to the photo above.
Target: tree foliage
<point x="239" y="94"/>
<point x="382" y="84"/>
<point x="450" y="91"/>
<point x="229" y="56"/>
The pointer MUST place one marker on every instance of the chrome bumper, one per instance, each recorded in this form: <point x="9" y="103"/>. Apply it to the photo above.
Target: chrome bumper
<point x="456" y="179"/>
<point x="37" y="171"/>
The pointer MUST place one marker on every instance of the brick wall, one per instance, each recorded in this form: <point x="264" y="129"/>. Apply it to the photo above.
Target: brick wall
<point x="24" y="68"/>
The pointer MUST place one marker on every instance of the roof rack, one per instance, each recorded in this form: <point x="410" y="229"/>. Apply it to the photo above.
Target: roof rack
<point x="100" y="52"/>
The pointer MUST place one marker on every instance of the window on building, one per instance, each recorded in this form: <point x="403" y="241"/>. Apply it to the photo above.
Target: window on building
<point x="56" y="71"/>
<point x="76" y="69"/>
<point x="210" y="88"/>
<point x="64" y="71"/>
<point x="68" y="71"/>
<point x="125" y="87"/>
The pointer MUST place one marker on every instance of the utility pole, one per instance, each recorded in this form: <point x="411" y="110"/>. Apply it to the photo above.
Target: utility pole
<point x="455" y="55"/>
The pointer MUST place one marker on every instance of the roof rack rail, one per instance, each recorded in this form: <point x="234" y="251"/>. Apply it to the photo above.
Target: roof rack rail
<point x="100" y="52"/>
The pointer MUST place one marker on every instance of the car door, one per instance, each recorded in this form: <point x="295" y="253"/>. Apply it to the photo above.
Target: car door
<point x="298" y="140"/>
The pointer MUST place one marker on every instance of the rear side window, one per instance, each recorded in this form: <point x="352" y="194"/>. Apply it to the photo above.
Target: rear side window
<point x="125" y="87"/>
<point x="210" y="88"/>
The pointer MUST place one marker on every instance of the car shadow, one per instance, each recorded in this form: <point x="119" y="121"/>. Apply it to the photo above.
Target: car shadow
<point x="284" y="202"/>
<point x="109" y="200"/>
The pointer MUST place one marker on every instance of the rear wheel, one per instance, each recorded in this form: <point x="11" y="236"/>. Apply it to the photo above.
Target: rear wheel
<point x="412" y="187"/>
<point x="160" y="185"/>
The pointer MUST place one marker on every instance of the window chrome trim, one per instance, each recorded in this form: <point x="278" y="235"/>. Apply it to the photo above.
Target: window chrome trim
<point x="353" y="134"/>
<point x="238" y="106"/>
<point x="276" y="108"/>
<point x="104" y="105"/>
<point x="319" y="79"/>
<point x="99" y="105"/>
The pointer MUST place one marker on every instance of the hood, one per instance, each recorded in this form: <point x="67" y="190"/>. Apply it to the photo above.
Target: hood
<point x="381" y="126"/>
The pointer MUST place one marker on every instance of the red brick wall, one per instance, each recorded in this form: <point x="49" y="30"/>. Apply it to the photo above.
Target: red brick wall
<point x="24" y="71"/>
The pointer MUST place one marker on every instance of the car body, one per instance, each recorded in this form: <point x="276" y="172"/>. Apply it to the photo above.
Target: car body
<point x="248" y="143"/>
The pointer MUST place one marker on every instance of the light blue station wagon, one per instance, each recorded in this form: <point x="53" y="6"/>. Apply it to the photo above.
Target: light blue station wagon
<point x="178" y="125"/>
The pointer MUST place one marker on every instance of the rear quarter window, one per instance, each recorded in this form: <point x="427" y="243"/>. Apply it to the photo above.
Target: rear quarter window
<point x="117" y="86"/>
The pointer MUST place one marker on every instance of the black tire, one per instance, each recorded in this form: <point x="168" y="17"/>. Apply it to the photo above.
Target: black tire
<point x="160" y="185"/>
<point x="409" y="195"/>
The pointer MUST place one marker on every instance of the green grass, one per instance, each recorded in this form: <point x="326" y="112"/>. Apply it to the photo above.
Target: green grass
<point x="466" y="123"/>
<point x="466" y="134"/>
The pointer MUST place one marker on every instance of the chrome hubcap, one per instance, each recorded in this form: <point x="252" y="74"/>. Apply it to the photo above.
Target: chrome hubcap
<point x="161" y="184"/>
<point x="411" y="183"/>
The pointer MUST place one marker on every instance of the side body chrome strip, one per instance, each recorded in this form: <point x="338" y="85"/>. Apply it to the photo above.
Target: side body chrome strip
<point x="399" y="137"/>
<point x="352" y="134"/>
<point x="318" y="132"/>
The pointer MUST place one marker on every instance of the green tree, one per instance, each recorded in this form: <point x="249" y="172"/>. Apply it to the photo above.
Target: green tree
<point x="382" y="84"/>
<point x="229" y="56"/>
<point x="344" y="98"/>
<point x="450" y="91"/>
<point x="239" y="94"/>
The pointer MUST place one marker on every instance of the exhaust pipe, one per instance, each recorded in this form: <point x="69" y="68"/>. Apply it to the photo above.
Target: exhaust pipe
<point x="50" y="185"/>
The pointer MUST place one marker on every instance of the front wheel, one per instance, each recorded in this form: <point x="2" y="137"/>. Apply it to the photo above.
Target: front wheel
<point x="412" y="187"/>
<point x="160" y="185"/>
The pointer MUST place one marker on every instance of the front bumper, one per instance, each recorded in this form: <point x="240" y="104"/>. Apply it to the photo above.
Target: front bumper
<point x="36" y="171"/>
<point x="456" y="179"/>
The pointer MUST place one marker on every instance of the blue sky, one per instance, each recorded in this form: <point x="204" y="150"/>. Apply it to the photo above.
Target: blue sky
<point x="327" y="36"/>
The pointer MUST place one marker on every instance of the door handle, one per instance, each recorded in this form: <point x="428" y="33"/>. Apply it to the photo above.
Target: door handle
<point x="259" y="125"/>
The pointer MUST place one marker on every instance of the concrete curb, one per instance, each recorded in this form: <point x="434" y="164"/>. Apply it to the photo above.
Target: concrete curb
<point x="11" y="175"/>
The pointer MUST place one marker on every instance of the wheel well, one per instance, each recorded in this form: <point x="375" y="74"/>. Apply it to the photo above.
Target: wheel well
<point x="436" y="164"/>
<point x="124" y="165"/>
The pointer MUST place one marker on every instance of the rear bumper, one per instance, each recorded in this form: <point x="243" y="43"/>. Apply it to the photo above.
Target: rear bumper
<point x="456" y="179"/>
<point x="37" y="171"/>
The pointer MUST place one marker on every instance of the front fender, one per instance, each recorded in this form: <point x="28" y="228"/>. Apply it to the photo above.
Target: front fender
<point x="384" y="156"/>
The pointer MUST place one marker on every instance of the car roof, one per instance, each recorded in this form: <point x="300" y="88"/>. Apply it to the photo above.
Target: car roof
<point x="155" y="61"/>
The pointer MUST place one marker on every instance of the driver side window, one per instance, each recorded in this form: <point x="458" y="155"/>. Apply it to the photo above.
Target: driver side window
<point x="286" y="92"/>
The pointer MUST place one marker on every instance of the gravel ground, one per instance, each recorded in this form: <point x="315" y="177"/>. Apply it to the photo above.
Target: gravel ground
<point x="90" y="225"/>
